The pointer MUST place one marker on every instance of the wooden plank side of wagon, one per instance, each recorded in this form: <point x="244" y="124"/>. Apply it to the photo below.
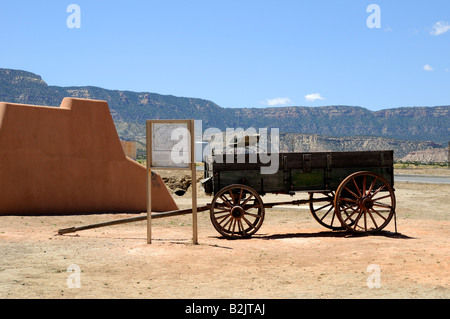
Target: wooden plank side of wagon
<point x="249" y="177"/>
<point x="305" y="161"/>
<point x="237" y="169"/>
<point x="362" y="159"/>
<point x="343" y="164"/>
<point x="308" y="171"/>
<point x="296" y="172"/>
<point x="300" y="171"/>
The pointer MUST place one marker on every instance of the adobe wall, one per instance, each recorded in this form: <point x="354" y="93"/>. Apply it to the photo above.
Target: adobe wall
<point x="69" y="160"/>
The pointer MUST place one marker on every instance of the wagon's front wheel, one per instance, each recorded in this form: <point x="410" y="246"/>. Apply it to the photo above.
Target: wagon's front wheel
<point x="237" y="211"/>
<point x="364" y="202"/>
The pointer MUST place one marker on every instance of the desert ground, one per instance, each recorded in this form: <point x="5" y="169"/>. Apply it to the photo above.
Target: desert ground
<point x="291" y="257"/>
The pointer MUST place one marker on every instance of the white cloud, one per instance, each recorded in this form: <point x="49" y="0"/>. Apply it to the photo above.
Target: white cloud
<point x="313" y="97"/>
<point x="277" y="101"/>
<point x="428" y="67"/>
<point x="440" y="28"/>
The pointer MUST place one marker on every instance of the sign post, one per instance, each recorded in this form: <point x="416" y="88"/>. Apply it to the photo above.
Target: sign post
<point x="171" y="146"/>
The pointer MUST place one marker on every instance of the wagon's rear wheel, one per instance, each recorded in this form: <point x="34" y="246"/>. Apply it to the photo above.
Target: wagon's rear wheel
<point x="364" y="202"/>
<point x="323" y="211"/>
<point x="237" y="211"/>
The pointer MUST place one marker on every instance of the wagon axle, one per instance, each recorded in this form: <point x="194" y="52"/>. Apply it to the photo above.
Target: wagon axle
<point x="237" y="212"/>
<point x="365" y="203"/>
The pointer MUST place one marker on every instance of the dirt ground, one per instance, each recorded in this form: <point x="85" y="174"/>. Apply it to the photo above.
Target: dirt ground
<point x="291" y="256"/>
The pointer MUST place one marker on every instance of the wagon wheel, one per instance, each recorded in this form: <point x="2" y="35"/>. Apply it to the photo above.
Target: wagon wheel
<point x="237" y="211"/>
<point x="364" y="202"/>
<point x="324" y="211"/>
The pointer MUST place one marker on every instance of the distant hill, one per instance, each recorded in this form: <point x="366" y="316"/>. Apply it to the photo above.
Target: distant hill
<point x="131" y="109"/>
<point x="440" y="155"/>
<point x="134" y="107"/>
<point x="412" y="123"/>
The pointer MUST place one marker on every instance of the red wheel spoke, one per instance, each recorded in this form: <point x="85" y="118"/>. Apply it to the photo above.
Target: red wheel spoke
<point x="354" y="195"/>
<point x="246" y="201"/>
<point x="247" y="221"/>
<point x="329" y="210"/>
<point x="357" y="188"/>
<point x="347" y="200"/>
<point x="239" y="224"/>
<point x="234" y="226"/>
<point x="375" y="199"/>
<point x="378" y="213"/>
<point x="332" y="218"/>
<point x="226" y="201"/>
<point x="348" y="206"/>
<point x="244" y="233"/>
<point x="222" y="219"/>
<point x="373" y="219"/>
<point x="382" y="205"/>
<point x="254" y="215"/>
<point x="372" y="185"/>
<point x="364" y="185"/>
<point x="233" y="198"/>
<point x="240" y="195"/>
<point x="222" y="211"/>
<point x="358" y="218"/>
<point x="379" y="189"/>
<point x="349" y="216"/>
<point x="365" y="220"/>
<point x="320" y="208"/>
<point x="228" y="222"/>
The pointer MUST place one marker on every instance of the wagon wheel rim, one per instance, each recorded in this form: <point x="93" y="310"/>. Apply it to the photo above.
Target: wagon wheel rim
<point x="365" y="202"/>
<point x="323" y="211"/>
<point x="237" y="211"/>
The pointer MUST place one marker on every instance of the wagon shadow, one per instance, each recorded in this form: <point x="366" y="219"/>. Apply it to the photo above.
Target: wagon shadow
<point x="334" y="234"/>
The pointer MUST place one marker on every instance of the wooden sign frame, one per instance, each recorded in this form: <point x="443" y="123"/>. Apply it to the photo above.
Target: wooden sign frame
<point x="190" y="166"/>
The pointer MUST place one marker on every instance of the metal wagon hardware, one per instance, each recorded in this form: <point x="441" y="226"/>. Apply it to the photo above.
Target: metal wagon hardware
<point x="347" y="190"/>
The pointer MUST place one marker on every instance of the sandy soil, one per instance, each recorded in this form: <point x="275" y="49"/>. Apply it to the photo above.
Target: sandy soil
<point x="291" y="256"/>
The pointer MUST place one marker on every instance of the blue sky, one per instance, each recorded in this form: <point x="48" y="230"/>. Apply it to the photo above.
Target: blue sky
<point x="243" y="53"/>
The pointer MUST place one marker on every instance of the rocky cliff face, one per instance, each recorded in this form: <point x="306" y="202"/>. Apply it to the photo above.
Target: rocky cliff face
<point x="21" y="77"/>
<point x="27" y="88"/>
<point x="315" y="143"/>
<point x="416" y="112"/>
<point x="417" y="123"/>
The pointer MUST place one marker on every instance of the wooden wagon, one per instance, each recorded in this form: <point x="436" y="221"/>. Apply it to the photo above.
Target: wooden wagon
<point x="347" y="190"/>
